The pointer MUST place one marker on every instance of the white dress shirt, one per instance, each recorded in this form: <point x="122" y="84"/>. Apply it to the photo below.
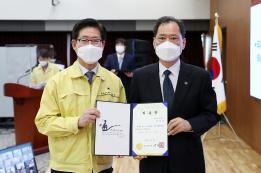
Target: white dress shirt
<point x="84" y="70"/>
<point x="120" y="59"/>
<point x="173" y="76"/>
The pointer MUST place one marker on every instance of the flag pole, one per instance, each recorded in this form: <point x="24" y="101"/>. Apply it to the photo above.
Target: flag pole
<point x="216" y="24"/>
<point x="216" y="29"/>
<point x="224" y="115"/>
<point x="216" y="18"/>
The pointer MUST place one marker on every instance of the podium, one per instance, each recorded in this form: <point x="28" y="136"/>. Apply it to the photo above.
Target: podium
<point x="26" y="104"/>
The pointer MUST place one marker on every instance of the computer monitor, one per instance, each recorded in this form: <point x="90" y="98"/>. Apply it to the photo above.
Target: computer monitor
<point x="18" y="159"/>
<point x="255" y="49"/>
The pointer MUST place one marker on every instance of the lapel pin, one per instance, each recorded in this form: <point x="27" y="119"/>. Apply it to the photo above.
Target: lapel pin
<point x="186" y="83"/>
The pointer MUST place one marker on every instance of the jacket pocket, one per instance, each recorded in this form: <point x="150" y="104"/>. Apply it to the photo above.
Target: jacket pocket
<point x="73" y="103"/>
<point x="71" y="149"/>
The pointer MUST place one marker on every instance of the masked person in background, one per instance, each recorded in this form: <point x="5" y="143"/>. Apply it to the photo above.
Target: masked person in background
<point x="121" y="63"/>
<point x="67" y="112"/>
<point x="192" y="106"/>
<point x="44" y="71"/>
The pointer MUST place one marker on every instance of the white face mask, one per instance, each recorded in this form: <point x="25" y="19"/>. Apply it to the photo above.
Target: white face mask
<point x="120" y="49"/>
<point x="168" y="51"/>
<point x="90" y="54"/>
<point x="43" y="63"/>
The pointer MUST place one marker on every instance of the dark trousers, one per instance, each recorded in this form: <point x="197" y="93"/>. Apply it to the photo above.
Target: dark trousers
<point x="104" y="171"/>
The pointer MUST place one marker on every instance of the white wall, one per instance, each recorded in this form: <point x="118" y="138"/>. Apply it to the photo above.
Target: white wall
<point x="103" y="9"/>
<point x="6" y="103"/>
<point x="14" y="62"/>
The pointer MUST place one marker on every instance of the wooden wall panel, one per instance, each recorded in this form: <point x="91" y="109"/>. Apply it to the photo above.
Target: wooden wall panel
<point x="244" y="111"/>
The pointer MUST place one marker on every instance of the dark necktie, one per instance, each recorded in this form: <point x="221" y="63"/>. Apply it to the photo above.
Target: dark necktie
<point x="168" y="91"/>
<point x="89" y="75"/>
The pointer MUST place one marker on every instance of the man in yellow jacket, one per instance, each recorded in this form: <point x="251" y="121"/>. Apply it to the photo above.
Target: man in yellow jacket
<point x="67" y="112"/>
<point x="44" y="71"/>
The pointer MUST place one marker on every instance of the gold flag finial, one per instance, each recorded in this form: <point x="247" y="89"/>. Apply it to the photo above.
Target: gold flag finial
<point x="216" y="18"/>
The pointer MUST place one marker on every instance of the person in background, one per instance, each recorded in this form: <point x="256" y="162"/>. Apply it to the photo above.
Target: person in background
<point x="44" y="71"/>
<point x="192" y="105"/>
<point x="67" y="111"/>
<point x="121" y="63"/>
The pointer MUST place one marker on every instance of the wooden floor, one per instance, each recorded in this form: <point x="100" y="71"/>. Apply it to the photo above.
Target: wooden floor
<point x="223" y="154"/>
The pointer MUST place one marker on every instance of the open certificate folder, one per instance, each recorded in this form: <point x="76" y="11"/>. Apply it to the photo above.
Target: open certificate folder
<point x="131" y="129"/>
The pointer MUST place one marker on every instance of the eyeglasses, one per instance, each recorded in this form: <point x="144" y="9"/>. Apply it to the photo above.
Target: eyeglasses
<point x="94" y="41"/>
<point x="173" y="39"/>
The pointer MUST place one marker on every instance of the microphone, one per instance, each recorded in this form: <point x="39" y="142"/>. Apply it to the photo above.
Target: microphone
<point x="31" y="69"/>
<point x="22" y="76"/>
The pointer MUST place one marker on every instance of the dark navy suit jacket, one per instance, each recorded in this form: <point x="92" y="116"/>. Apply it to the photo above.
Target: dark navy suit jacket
<point x="194" y="100"/>
<point x="128" y="65"/>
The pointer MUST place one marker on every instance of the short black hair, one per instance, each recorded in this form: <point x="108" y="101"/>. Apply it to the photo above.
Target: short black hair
<point x="121" y="41"/>
<point x="44" y="53"/>
<point x="168" y="19"/>
<point x="88" y="23"/>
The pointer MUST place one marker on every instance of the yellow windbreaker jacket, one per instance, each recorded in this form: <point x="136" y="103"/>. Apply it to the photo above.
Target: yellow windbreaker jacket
<point x="38" y="75"/>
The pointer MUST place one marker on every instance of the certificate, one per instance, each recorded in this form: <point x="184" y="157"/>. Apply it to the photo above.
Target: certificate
<point x="131" y="129"/>
<point x="149" y="130"/>
<point x="113" y="129"/>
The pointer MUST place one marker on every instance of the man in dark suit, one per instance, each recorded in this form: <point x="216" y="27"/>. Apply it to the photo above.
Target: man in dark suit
<point x="191" y="100"/>
<point x="121" y="63"/>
